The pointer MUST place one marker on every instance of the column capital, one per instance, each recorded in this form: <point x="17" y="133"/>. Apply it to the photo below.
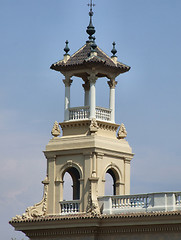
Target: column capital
<point x="92" y="78"/>
<point x="86" y="86"/>
<point x="112" y="83"/>
<point x="67" y="81"/>
<point x="99" y="155"/>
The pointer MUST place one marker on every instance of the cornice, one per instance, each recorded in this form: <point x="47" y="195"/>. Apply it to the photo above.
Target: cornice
<point x="104" y="230"/>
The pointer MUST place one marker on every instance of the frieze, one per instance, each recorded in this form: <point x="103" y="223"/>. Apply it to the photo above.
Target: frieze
<point x="105" y="230"/>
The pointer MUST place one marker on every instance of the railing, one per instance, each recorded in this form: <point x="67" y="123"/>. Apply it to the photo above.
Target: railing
<point x="69" y="207"/>
<point x="170" y="201"/>
<point x="178" y="199"/>
<point x="103" y="114"/>
<point x="80" y="113"/>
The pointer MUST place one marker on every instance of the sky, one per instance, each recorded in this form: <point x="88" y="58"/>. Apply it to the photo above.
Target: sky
<point x="33" y="34"/>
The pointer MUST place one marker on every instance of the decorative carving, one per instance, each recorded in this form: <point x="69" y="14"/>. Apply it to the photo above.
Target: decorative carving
<point x="122" y="133"/>
<point x="69" y="163"/>
<point x="92" y="206"/>
<point x="93" y="126"/>
<point x="55" y="130"/>
<point x="92" y="78"/>
<point x="86" y="86"/>
<point x="112" y="83"/>
<point x="35" y="211"/>
<point x="67" y="82"/>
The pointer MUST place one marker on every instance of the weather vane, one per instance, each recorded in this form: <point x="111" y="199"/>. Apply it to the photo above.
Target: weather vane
<point x="91" y="5"/>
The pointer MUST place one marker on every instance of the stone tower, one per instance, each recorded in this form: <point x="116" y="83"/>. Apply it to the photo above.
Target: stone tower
<point x="89" y="143"/>
<point x="89" y="146"/>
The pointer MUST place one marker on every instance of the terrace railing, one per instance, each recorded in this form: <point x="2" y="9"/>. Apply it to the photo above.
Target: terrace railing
<point x="81" y="113"/>
<point x="170" y="201"/>
<point x="70" y="207"/>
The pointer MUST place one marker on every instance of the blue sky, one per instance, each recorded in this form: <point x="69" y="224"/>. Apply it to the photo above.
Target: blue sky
<point x="33" y="34"/>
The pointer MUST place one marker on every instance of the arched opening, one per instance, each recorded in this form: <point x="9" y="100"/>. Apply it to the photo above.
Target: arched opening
<point x="111" y="178"/>
<point x="71" y="187"/>
<point x="67" y="187"/>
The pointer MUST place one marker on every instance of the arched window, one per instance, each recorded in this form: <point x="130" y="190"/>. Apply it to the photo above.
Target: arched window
<point x="111" y="179"/>
<point x="71" y="179"/>
<point x="67" y="186"/>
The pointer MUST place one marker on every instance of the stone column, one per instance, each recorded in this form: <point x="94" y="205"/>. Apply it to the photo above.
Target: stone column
<point x="67" y="81"/>
<point x="58" y="194"/>
<point x="86" y="87"/>
<point x="87" y="174"/>
<point x="92" y="95"/>
<point x="127" y="176"/>
<point x="51" y="190"/>
<point x="112" y="84"/>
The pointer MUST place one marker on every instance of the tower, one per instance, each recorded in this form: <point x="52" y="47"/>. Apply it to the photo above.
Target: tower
<point x="89" y="146"/>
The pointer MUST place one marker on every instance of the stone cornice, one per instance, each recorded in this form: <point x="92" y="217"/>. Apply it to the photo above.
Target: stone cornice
<point x="108" y="217"/>
<point x="103" y="224"/>
<point x="108" y="230"/>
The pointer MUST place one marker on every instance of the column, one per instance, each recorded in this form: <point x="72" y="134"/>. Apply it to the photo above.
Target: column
<point x="51" y="188"/>
<point x="67" y="81"/>
<point x="112" y="84"/>
<point x="92" y="95"/>
<point x="86" y="87"/>
<point x="127" y="176"/>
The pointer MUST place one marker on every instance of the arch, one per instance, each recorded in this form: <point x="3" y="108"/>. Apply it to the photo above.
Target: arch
<point x="76" y="174"/>
<point x="116" y="175"/>
<point x="76" y="181"/>
<point x="70" y="164"/>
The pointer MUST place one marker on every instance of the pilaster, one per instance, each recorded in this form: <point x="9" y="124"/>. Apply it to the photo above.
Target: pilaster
<point x="51" y="191"/>
<point x="127" y="175"/>
<point x="58" y="194"/>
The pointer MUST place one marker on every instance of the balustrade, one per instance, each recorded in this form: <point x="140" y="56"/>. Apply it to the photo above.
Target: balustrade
<point x="178" y="199"/>
<point x="133" y="201"/>
<point x="70" y="207"/>
<point x="103" y="114"/>
<point x="80" y="113"/>
<point x="169" y="201"/>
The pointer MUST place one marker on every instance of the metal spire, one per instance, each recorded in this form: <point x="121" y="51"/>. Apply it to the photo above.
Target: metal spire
<point x="91" y="5"/>
<point x="90" y="29"/>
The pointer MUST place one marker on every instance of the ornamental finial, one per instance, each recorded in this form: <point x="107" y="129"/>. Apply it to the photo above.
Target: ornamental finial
<point x="122" y="133"/>
<point x="66" y="49"/>
<point x="93" y="45"/>
<point x="55" y="130"/>
<point x="114" y="51"/>
<point x="91" y="5"/>
<point x="91" y="29"/>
